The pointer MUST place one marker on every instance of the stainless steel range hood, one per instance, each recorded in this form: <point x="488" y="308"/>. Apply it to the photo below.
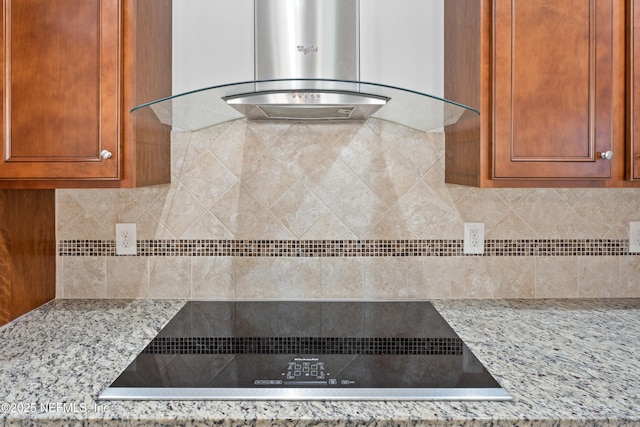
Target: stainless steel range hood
<point x="306" y="67"/>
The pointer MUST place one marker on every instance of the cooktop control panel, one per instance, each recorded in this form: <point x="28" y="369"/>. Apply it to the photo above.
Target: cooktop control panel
<point x="307" y="371"/>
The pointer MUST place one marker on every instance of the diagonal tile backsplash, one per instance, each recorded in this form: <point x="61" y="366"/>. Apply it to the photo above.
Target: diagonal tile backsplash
<point x="369" y="182"/>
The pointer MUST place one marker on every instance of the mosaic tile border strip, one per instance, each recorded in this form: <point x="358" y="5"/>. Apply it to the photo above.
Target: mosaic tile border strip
<point x="350" y="248"/>
<point x="304" y="345"/>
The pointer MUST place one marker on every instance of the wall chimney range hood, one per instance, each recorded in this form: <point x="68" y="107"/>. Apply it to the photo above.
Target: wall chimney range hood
<point x="306" y="67"/>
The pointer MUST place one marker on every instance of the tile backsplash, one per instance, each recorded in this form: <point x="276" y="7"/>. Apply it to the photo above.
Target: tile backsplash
<point x="262" y="210"/>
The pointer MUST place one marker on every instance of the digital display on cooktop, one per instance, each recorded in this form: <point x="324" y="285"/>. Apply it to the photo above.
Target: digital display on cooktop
<point x="306" y="350"/>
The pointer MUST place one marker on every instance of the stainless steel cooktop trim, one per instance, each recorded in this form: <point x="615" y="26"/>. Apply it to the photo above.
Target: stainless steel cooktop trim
<point x="140" y="393"/>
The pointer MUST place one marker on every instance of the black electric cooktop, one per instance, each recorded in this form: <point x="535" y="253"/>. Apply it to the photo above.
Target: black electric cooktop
<point x="290" y="350"/>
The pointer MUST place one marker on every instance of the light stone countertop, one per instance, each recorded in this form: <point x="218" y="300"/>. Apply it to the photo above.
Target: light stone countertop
<point x="564" y="362"/>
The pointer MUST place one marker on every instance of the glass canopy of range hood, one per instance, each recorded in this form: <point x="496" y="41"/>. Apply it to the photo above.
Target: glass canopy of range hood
<point x="206" y="107"/>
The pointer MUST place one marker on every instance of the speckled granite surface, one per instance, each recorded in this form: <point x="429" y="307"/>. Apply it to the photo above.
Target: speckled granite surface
<point x="565" y="363"/>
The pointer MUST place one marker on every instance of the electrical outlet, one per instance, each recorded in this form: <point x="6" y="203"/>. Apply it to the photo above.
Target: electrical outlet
<point x="126" y="242"/>
<point x="473" y="238"/>
<point x="634" y="237"/>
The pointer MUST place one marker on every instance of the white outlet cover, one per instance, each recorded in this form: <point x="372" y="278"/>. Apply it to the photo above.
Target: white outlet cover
<point x="126" y="241"/>
<point x="473" y="238"/>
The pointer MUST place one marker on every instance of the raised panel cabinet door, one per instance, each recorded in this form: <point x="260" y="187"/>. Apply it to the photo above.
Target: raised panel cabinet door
<point x="60" y="94"/>
<point x="552" y="88"/>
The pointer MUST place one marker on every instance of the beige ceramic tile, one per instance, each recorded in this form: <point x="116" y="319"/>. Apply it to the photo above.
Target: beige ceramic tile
<point x="84" y="277"/>
<point x="212" y="134"/>
<point x="229" y="147"/>
<point x="87" y="227"/>
<point x="387" y="130"/>
<point x="347" y="197"/>
<point x="482" y="205"/>
<point x="571" y="196"/>
<point x="206" y="177"/>
<point x="213" y="278"/>
<point x="267" y="227"/>
<point x="127" y="277"/>
<point x="556" y="277"/>
<point x="329" y="227"/>
<point x="540" y="209"/>
<point x="59" y="276"/>
<point x="303" y="148"/>
<point x="514" y="277"/>
<point x="269" y="132"/>
<point x="300" y="278"/>
<point x="392" y="227"/>
<point x="207" y="227"/>
<point x="598" y="276"/>
<point x="256" y="277"/>
<point x="437" y="275"/>
<point x="343" y="278"/>
<point x="421" y="209"/>
<point x="149" y="194"/>
<point x="332" y="131"/>
<point x="150" y="227"/>
<point x="360" y="151"/>
<point x="238" y="209"/>
<point x="605" y="212"/>
<point x="512" y="196"/>
<point x="177" y="210"/>
<point x="169" y="277"/>
<point x="449" y="227"/>
<point x="87" y="198"/>
<point x="392" y="278"/>
<point x="389" y="176"/>
<point x="67" y="210"/>
<point x="631" y="197"/>
<point x="417" y="151"/>
<point x="571" y="226"/>
<point x="511" y="227"/>
<point x="116" y="205"/>
<point x="179" y="147"/>
<point x="629" y="276"/>
<point x="436" y="141"/>
<point x="477" y="280"/>
<point x="457" y="192"/>
<point x="262" y="173"/>
<point x="299" y="209"/>
<point x="434" y="179"/>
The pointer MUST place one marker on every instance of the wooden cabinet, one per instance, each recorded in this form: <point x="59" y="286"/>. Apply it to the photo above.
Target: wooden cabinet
<point x="27" y="251"/>
<point x="633" y="90"/>
<point x="548" y="80"/>
<point x="72" y="71"/>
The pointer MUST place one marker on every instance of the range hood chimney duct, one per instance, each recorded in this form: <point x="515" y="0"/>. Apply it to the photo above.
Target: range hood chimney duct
<point x="312" y="41"/>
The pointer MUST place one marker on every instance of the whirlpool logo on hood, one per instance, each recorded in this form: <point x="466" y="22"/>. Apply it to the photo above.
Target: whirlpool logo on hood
<point x="307" y="49"/>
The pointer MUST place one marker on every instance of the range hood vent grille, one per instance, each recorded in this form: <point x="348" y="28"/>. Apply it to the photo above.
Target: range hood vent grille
<point x="306" y="105"/>
<point x="307" y="112"/>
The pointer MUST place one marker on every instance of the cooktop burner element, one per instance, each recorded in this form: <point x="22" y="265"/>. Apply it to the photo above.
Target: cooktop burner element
<point x="268" y="350"/>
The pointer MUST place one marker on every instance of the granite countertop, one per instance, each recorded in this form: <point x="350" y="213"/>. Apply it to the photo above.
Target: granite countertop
<point x="564" y="362"/>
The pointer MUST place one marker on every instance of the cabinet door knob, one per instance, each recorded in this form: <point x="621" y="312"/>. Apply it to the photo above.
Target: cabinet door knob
<point x="105" y="154"/>
<point x="607" y="155"/>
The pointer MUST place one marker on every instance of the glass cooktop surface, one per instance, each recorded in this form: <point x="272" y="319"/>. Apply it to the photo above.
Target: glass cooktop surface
<point x="268" y="350"/>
